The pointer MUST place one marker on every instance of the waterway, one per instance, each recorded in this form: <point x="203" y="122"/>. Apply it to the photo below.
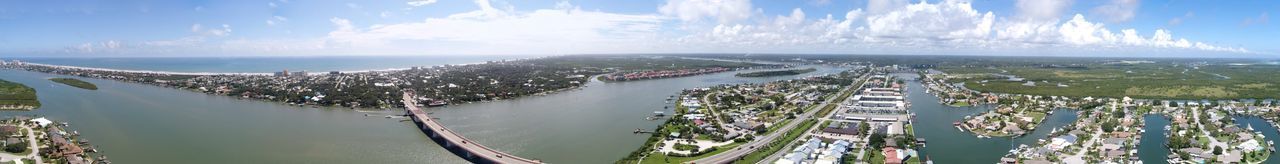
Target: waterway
<point x="1152" y="148"/>
<point x="947" y="144"/>
<point x="1269" y="132"/>
<point x="137" y="123"/>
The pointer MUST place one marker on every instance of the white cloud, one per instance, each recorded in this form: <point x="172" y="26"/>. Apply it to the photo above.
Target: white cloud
<point x="419" y="3"/>
<point x="724" y="11"/>
<point x="946" y="27"/>
<point x="353" y="6"/>
<point x="1178" y="20"/>
<point x="1261" y="19"/>
<point x="384" y="14"/>
<point x="883" y="6"/>
<point x="200" y="29"/>
<point x="894" y="27"/>
<point x="1042" y="9"/>
<point x="272" y="4"/>
<point x="545" y="30"/>
<point x="922" y="21"/>
<point x="1118" y="10"/>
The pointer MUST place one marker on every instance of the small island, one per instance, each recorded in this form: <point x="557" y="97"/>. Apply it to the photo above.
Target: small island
<point x="776" y="73"/>
<point x="16" y="96"/>
<point x="75" y="83"/>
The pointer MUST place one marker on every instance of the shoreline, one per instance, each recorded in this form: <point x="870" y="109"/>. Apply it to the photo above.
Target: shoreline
<point x="261" y="73"/>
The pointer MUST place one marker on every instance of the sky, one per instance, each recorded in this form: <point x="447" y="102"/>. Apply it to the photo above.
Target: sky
<point x="175" y="28"/>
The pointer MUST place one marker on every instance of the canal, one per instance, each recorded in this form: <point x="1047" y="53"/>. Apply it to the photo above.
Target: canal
<point x="137" y="123"/>
<point x="949" y="145"/>
<point x="1152" y="148"/>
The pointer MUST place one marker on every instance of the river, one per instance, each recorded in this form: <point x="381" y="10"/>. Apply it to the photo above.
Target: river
<point x="138" y="123"/>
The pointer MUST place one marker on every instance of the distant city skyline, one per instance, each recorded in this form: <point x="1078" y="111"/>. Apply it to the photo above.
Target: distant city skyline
<point x="1106" y="28"/>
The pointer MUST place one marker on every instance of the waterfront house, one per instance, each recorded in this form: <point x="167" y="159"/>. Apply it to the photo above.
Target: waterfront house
<point x="892" y="155"/>
<point x="8" y="130"/>
<point x="12" y="140"/>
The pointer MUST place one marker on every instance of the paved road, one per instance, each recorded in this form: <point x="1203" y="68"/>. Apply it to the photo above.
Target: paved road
<point x="755" y="145"/>
<point x="776" y="155"/>
<point x="456" y="139"/>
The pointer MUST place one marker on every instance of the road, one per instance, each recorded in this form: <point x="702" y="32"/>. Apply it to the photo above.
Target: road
<point x="755" y="145"/>
<point x="779" y="154"/>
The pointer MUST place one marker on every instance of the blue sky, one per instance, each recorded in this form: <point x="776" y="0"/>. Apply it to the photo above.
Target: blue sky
<point x="543" y="27"/>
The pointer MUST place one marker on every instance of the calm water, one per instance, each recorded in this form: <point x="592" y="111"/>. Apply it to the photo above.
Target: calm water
<point x="1152" y="148"/>
<point x="1269" y="132"/>
<point x="949" y="145"/>
<point x="135" y="123"/>
<point x="591" y="125"/>
<point x="266" y="64"/>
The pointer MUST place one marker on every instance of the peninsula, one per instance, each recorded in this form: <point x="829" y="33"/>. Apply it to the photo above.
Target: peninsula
<point x="16" y="96"/>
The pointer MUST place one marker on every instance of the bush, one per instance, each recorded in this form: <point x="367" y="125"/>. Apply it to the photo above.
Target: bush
<point x="16" y="147"/>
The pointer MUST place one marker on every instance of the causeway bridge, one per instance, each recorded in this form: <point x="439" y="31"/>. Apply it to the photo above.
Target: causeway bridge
<point x="454" y="142"/>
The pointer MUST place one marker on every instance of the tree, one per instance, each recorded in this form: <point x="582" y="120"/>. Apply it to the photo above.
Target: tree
<point x="876" y="140"/>
<point x="16" y="147"/>
<point x="1109" y="126"/>
<point x="1217" y="150"/>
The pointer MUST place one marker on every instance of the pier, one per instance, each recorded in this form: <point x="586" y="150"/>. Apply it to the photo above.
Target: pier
<point x="454" y="142"/>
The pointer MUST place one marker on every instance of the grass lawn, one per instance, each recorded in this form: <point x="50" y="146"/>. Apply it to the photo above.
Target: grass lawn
<point x="960" y="104"/>
<point x="874" y="156"/>
<point x="1036" y="116"/>
<point x="657" y="158"/>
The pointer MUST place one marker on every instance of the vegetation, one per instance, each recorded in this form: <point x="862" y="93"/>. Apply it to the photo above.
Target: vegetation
<point x="75" y="83"/>
<point x="1148" y="80"/>
<point x="19" y="147"/>
<point x="17" y="96"/>
<point x="778" y="144"/>
<point x="776" y="73"/>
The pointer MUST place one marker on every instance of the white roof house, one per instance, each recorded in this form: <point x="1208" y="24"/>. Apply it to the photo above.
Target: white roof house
<point x="42" y="121"/>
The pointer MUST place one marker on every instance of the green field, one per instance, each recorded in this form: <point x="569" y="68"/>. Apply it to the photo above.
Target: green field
<point x="17" y="94"/>
<point x="75" y="83"/>
<point x="1147" y="80"/>
<point x="656" y="158"/>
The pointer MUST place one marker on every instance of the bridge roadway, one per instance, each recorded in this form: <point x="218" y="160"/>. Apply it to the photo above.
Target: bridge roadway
<point x="454" y="142"/>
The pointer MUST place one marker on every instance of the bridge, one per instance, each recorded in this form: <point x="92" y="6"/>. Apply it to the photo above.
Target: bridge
<point x="454" y="142"/>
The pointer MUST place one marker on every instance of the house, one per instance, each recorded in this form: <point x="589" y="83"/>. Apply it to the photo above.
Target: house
<point x="891" y="155"/>
<point x="749" y="125"/>
<point x="842" y="128"/>
<point x="12" y="140"/>
<point x="1058" y="143"/>
<point x="8" y="130"/>
<point x="42" y="121"/>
